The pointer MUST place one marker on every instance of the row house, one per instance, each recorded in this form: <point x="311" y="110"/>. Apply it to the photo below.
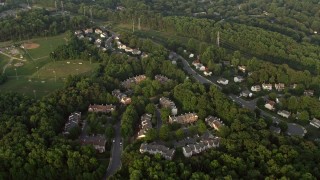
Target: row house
<point x="98" y="142"/>
<point x="279" y="86"/>
<point x="154" y="148"/>
<point x="123" y="98"/>
<point x="101" y="108"/>
<point x="203" y="145"/>
<point x="133" y="80"/>
<point x="184" y="119"/>
<point x="214" y="122"/>
<point x="256" y="88"/>
<point x="167" y="103"/>
<point x="267" y="87"/>
<point x="73" y="121"/>
<point x="162" y="79"/>
<point x="145" y="125"/>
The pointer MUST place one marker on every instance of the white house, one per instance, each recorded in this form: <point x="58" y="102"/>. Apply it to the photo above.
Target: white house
<point x="315" y="122"/>
<point x="238" y="79"/>
<point x="267" y="87"/>
<point x="202" y="68"/>
<point x="256" y="88"/>
<point x="207" y="73"/>
<point x="284" y="113"/>
<point x="191" y="55"/>
<point x="270" y="105"/>
<point x="223" y="81"/>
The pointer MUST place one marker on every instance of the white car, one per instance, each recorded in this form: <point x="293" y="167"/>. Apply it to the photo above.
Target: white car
<point x="113" y="140"/>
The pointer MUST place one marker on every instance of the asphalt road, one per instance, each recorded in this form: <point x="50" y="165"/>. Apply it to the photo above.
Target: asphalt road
<point x="159" y="120"/>
<point x="115" y="160"/>
<point x="293" y="129"/>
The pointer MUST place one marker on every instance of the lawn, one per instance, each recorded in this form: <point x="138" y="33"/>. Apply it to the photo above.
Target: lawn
<point x="26" y="87"/>
<point x="3" y="61"/>
<point x="44" y="80"/>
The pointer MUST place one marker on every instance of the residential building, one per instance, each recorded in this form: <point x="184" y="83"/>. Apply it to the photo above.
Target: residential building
<point x="191" y="55"/>
<point x="101" y="108"/>
<point x="223" y="81"/>
<point x="204" y="144"/>
<point x="196" y="63"/>
<point x="293" y="86"/>
<point x="145" y="125"/>
<point x="256" y="88"/>
<point x="120" y="8"/>
<point x="98" y="142"/>
<point x="98" y="31"/>
<point x="121" y="96"/>
<point x="184" y="119"/>
<point x="308" y="92"/>
<point x="103" y="35"/>
<point x="284" y="113"/>
<point x="144" y="55"/>
<point x="133" y="80"/>
<point x="128" y="49"/>
<point x="315" y="122"/>
<point x="88" y="31"/>
<point x="214" y="122"/>
<point x="242" y="68"/>
<point x="202" y="68"/>
<point x="136" y="52"/>
<point x="238" y="79"/>
<point x="73" y="121"/>
<point x="270" y="105"/>
<point x="162" y="79"/>
<point x="167" y="103"/>
<point x="246" y="93"/>
<point x="267" y="87"/>
<point x="78" y="32"/>
<point x="207" y="73"/>
<point x="154" y="148"/>
<point x="279" y="86"/>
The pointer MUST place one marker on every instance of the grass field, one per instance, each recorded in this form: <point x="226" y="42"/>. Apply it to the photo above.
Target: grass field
<point x="3" y="61"/>
<point x="47" y="45"/>
<point x="39" y="72"/>
<point x="44" y="80"/>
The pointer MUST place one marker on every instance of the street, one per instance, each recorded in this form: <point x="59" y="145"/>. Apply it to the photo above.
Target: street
<point x="116" y="150"/>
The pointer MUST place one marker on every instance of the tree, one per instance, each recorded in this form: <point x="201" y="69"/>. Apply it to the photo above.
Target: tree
<point x="179" y="134"/>
<point x="292" y="103"/>
<point x="164" y="132"/>
<point x="150" y="108"/>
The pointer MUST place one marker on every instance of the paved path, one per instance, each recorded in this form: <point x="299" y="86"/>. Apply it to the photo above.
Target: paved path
<point x="115" y="159"/>
<point x="293" y="129"/>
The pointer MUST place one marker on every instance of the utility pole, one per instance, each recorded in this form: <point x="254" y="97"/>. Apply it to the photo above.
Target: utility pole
<point x="91" y="13"/>
<point x="55" y="76"/>
<point x="38" y="71"/>
<point x="218" y="39"/>
<point x="139" y="27"/>
<point x="34" y="93"/>
<point x="16" y="73"/>
<point x="62" y="8"/>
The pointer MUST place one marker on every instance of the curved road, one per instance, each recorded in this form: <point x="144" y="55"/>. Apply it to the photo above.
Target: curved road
<point x="115" y="159"/>
<point x="293" y="129"/>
